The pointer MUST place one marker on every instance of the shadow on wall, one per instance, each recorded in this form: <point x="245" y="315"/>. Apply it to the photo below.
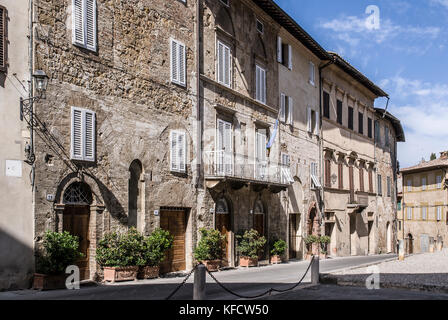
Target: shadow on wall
<point x="16" y="263"/>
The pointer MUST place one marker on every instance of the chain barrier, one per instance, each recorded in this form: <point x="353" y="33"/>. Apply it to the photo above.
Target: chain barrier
<point x="182" y="283"/>
<point x="268" y="292"/>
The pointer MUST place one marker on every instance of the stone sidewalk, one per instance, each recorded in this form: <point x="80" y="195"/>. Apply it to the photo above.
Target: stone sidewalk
<point x="427" y="272"/>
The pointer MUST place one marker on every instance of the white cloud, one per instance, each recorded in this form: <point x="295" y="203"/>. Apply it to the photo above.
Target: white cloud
<point x="440" y="2"/>
<point x="422" y="108"/>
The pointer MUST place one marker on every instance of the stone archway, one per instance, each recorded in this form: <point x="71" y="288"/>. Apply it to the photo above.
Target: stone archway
<point x="313" y="226"/>
<point x="136" y="196"/>
<point x="79" y="211"/>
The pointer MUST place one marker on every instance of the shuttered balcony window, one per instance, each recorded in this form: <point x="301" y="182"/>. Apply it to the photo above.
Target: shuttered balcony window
<point x="84" y="24"/>
<point x="3" y="39"/>
<point x="82" y="135"/>
<point x="178" y="65"/>
<point x="178" y="153"/>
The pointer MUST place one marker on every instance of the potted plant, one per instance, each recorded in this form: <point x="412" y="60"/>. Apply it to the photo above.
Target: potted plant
<point x="153" y="252"/>
<point x="250" y="244"/>
<point x="324" y="241"/>
<point x="60" y="250"/>
<point x="310" y="241"/>
<point x="278" y="248"/>
<point x="120" y="255"/>
<point x="209" y="250"/>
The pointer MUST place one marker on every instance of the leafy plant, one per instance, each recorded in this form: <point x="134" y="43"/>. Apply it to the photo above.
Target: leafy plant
<point x="155" y="246"/>
<point x="211" y="245"/>
<point x="120" y="249"/>
<point x="311" y="239"/>
<point x="278" y="247"/>
<point x="60" y="251"/>
<point x="250" y="244"/>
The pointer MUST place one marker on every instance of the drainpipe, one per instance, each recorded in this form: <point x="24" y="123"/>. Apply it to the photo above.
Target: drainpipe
<point x="198" y="96"/>
<point x="31" y="88"/>
<point x="321" y="137"/>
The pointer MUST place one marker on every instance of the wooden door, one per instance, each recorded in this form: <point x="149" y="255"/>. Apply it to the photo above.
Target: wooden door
<point x="76" y="222"/>
<point x="223" y="225"/>
<point x="293" y="236"/>
<point x="175" y="223"/>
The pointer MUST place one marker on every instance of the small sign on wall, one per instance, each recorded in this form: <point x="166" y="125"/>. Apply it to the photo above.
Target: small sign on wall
<point x="13" y="168"/>
<point x="156" y="212"/>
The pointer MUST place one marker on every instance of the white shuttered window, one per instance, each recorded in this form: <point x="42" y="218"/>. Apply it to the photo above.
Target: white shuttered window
<point x="84" y="24"/>
<point x="178" y="64"/>
<point x="290" y="119"/>
<point x="260" y="84"/>
<point x="178" y="151"/>
<point x="82" y="135"/>
<point x="224" y="64"/>
<point x="282" y="107"/>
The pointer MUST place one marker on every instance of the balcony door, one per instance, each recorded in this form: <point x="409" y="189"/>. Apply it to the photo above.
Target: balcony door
<point x="224" y="148"/>
<point x="260" y="154"/>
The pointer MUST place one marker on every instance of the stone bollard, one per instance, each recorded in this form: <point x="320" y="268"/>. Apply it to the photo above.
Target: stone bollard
<point x="315" y="271"/>
<point x="401" y="251"/>
<point x="199" y="283"/>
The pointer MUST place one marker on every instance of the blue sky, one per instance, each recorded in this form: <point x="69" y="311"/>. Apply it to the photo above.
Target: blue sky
<point x="407" y="57"/>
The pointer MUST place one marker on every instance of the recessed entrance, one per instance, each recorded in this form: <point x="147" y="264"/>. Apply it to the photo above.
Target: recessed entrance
<point x="175" y="222"/>
<point x="294" y="236"/>
<point x="76" y="218"/>
<point x="223" y="224"/>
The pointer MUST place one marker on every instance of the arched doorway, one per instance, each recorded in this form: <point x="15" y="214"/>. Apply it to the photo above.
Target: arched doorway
<point x="389" y="237"/>
<point x="223" y="224"/>
<point x="135" y="195"/>
<point x="410" y="245"/>
<point x="313" y="228"/>
<point x="77" y="199"/>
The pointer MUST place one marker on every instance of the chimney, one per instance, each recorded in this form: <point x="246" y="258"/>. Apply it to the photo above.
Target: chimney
<point x="444" y="155"/>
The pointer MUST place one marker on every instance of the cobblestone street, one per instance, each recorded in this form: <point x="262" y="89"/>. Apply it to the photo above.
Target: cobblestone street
<point x="427" y="271"/>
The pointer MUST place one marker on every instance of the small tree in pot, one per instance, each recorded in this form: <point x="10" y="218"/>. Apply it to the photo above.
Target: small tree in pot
<point x="324" y="241"/>
<point x="153" y="253"/>
<point x="278" y="248"/>
<point x="120" y="255"/>
<point x="309" y="241"/>
<point x="209" y="250"/>
<point x="250" y="245"/>
<point x="60" y="251"/>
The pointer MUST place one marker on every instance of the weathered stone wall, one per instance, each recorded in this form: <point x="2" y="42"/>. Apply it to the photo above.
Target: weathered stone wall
<point x="127" y="83"/>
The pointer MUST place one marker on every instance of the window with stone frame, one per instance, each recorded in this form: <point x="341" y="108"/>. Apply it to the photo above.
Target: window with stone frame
<point x="84" y="24"/>
<point x="369" y="128"/>
<point x="326" y="101"/>
<point x="224" y="64"/>
<point x="360" y="123"/>
<point x="380" y="185"/>
<point x="260" y="84"/>
<point x="284" y="53"/>
<point x="350" y="118"/>
<point x="339" y="111"/>
<point x="328" y="173"/>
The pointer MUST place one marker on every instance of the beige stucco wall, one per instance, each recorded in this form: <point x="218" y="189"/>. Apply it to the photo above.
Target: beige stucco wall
<point x="16" y="216"/>
<point x="416" y="198"/>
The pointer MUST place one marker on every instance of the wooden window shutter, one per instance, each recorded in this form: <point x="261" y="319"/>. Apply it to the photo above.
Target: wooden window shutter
<point x="181" y="60"/>
<point x="76" y="134"/>
<point x="290" y="111"/>
<point x="227" y="66"/>
<point x="309" y="120"/>
<point x="89" y="136"/>
<point x="328" y="173"/>
<point x="90" y="24"/>
<point x="282" y="107"/>
<point x="279" y="50"/>
<point x="78" y="22"/>
<point x="174" y="152"/>
<point x="182" y="153"/>
<point x="3" y="46"/>
<point x="174" y="62"/>
<point x="220" y="62"/>
<point x="289" y="57"/>
<point x="317" y="125"/>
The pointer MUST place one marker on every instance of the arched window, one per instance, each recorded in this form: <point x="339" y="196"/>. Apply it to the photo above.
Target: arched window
<point x="134" y="193"/>
<point x="78" y="193"/>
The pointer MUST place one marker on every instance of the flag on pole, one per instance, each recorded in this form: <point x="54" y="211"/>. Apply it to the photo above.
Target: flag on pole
<point x="274" y="134"/>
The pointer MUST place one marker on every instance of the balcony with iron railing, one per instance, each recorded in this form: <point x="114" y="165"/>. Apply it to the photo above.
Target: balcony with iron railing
<point x="222" y="165"/>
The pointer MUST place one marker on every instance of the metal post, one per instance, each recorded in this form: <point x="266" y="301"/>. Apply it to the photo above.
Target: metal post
<point x="199" y="283"/>
<point x="315" y="271"/>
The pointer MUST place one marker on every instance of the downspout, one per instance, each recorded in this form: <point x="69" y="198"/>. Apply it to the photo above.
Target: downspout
<point x="30" y="89"/>
<point x="321" y="137"/>
<point x="198" y="97"/>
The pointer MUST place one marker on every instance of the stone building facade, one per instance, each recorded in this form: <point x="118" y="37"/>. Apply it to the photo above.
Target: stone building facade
<point x="190" y="114"/>
<point x="356" y="164"/>
<point x="16" y="213"/>
<point x="423" y="218"/>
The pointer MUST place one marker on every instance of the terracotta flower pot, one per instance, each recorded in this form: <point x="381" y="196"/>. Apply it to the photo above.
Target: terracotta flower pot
<point x="48" y="282"/>
<point x="212" y="265"/>
<point x="276" y="259"/>
<point x="113" y="274"/>
<point x="148" y="272"/>
<point x="248" y="262"/>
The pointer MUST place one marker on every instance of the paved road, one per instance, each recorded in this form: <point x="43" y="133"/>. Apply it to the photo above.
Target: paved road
<point x="331" y="292"/>
<point x="243" y="281"/>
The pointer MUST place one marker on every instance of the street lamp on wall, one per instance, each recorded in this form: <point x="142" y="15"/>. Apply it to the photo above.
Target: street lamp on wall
<point x="40" y="79"/>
